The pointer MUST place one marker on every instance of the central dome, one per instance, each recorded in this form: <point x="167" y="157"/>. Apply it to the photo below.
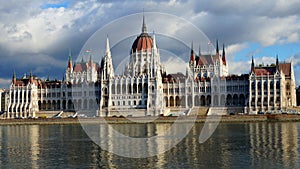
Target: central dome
<point x="143" y="42"/>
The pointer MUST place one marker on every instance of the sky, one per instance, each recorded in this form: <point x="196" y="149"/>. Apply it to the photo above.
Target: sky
<point x="36" y="35"/>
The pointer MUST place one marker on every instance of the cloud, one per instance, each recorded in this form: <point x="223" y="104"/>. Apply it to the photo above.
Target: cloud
<point x="243" y="67"/>
<point x="233" y="49"/>
<point x="239" y="67"/>
<point x="4" y="83"/>
<point x="38" y="32"/>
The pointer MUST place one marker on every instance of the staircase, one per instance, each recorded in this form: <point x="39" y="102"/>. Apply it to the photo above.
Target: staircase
<point x="217" y="111"/>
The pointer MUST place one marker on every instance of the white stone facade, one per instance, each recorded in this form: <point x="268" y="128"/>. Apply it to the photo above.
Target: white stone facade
<point x="146" y="89"/>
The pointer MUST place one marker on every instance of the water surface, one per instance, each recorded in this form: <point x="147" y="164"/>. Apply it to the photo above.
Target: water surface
<point x="236" y="145"/>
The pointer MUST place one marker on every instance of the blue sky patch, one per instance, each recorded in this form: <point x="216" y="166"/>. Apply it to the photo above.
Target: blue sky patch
<point x="57" y="5"/>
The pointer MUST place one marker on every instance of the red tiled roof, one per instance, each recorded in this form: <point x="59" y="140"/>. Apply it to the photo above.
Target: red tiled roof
<point x="82" y="66"/>
<point x="285" y="68"/>
<point x="265" y="71"/>
<point x="142" y="42"/>
<point x="26" y="81"/>
<point x="206" y="60"/>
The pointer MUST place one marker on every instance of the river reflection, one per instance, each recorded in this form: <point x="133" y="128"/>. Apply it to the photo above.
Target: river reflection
<point x="236" y="145"/>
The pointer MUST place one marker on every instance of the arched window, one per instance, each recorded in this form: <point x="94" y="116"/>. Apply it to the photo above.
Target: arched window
<point x="272" y="85"/>
<point x="277" y="85"/>
<point x="265" y="86"/>
<point x="253" y="86"/>
<point x="259" y="85"/>
<point x="288" y="87"/>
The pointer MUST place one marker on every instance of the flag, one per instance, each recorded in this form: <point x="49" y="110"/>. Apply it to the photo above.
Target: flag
<point x="87" y="51"/>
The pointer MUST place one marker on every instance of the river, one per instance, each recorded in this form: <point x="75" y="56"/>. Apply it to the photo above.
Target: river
<point x="232" y="145"/>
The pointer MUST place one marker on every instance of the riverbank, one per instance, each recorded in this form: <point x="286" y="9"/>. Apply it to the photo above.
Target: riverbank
<point x="120" y="120"/>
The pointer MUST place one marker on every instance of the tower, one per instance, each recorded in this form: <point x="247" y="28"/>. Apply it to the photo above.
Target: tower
<point x="192" y="57"/>
<point x="14" y="78"/>
<point x="69" y="70"/>
<point x="252" y="66"/>
<point x="223" y="55"/>
<point x="106" y="63"/>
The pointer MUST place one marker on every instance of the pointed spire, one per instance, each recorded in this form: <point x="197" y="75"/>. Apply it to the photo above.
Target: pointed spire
<point x="144" y="28"/>
<point x="217" y="47"/>
<point x="199" y="52"/>
<point x="14" y="74"/>
<point x="70" y="54"/>
<point x="223" y="55"/>
<point x="277" y="63"/>
<point x="154" y="41"/>
<point x="217" y="58"/>
<point x="70" y="66"/>
<point x="192" y="57"/>
<point x="30" y="77"/>
<point x="252" y="65"/>
<point x="14" y="78"/>
<point x="107" y="50"/>
<point x="91" y="60"/>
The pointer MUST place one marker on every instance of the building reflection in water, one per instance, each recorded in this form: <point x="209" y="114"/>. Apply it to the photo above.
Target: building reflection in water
<point x="19" y="146"/>
<point x="274" y="143"/>
<point x="236" y="145"/>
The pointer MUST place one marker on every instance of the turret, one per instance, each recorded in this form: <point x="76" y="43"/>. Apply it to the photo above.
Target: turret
<point x="90" y="61"/>
<point x="252" y="65"/>
<point x="144" y="28"/>
<point x="277" y="63"/>
<point x="14" y="78"/>
<point x="70" y="65"/>
<point x="30" y="77"/>
<point x="223" y="55"/>
<point x="217" y="50"/>
<point x="192" y="57"/>
<point x="200" y="61"/>
<point x="107" y="66"/>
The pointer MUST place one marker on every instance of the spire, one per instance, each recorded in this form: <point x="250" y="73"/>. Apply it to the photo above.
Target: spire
<point x="107" y="51"/>
<point x="192" y="57"/>
<point x="154" y="41"/>
<point x="70" y="54"/>
<point x="199" y="53"/>
<point x="277" y="63"/>
<point x="14" y="78"/>
<point x="30" y="77"/>
<point x="252" y="65"/>
<point x="217" y="50"/>
<point x="14" y="74"/>
<point x="217" y="47"/>
<point x="223" y="55"/>
<point x="70" y="60"/>
<point x="91" y="60"/>
<point x="144" y="28"/>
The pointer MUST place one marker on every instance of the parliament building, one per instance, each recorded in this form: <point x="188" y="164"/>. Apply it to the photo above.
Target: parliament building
<point x="146" y="89"/>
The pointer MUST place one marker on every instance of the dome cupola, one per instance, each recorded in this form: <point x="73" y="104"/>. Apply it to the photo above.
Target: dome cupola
<point x="144" y="41"/>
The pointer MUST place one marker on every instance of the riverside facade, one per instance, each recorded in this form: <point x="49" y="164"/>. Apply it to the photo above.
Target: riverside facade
<point x="146" y="89"/>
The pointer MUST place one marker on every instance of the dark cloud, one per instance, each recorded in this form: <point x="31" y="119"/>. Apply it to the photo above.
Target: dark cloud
<point x="32" y="38"/>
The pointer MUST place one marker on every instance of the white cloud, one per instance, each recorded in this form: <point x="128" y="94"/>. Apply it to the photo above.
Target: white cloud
<point x="239" y="67"/>
<point x="233" y="49"/>
<point x="175" y="65"/>
<point x="26" y="29"/>
<point x="265" y="60"/>
<point x="4" y="83"/>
